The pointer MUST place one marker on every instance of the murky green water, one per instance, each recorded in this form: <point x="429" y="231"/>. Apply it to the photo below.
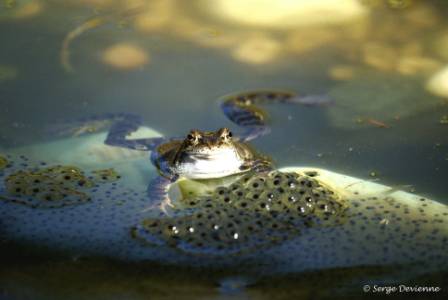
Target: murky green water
<point x="170" y="60"/>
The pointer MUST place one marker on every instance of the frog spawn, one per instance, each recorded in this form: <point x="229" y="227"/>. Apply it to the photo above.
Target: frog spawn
<point x="53" y="187"/>
<point x="106" y="175"/>
<point x="213" y="231"/>
<point x="256" y="211"/>
<point x="287" y="195"/>
<point x="376" y="229"/>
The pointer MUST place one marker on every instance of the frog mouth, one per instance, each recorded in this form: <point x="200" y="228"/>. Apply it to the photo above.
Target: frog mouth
<point x="213" y="156"/>
<point x="211" y="152"/>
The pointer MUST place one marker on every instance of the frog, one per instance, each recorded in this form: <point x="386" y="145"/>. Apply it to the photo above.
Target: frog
<point x="205" y="154"/>
<point x="202" y="155"/>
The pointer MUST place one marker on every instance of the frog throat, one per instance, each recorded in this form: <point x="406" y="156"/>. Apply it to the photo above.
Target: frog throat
<point x="219" y="162"/>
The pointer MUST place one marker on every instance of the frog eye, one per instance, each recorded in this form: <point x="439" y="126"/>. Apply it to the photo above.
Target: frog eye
<point x="226" y="134"/>
<point x="194" y="136"/>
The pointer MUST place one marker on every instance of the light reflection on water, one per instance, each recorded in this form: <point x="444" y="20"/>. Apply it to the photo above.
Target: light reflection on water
<point x="170" y="60"/>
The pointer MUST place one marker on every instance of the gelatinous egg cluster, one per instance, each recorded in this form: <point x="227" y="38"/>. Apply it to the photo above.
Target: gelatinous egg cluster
<point x="106" y="175"/>
<point x="216" y="230"/>
<point x="287" y="194"/>
<point x="53" y="186"/>
<point x="265" y="223"/>
<point x="258" y="210"/>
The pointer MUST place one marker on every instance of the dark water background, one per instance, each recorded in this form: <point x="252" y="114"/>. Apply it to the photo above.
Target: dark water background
<point x="177" y="90"/>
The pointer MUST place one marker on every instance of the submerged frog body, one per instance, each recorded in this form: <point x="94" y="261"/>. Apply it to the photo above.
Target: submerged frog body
<point x="201" y="154"/>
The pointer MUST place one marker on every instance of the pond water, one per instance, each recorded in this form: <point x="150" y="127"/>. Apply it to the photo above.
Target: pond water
<point x="383" y="64"/>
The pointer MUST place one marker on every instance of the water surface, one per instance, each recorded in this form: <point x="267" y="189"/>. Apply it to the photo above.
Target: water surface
<point x="169" y="61"/>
